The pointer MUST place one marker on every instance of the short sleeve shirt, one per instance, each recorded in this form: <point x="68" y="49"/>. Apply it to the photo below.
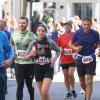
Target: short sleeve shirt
<point x="63" y="43"/>
<point x="88" y="41"/>
<point x="21" y="42"/>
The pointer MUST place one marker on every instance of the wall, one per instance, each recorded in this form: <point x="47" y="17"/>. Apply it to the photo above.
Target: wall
<point x="66" y="11"/>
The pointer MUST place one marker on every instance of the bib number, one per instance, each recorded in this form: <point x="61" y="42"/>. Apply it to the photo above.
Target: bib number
<point x="87" y="59"/>
<point x="67" y="51"/>
<point x="21" y="53"/>
<point x="42" y="61"/>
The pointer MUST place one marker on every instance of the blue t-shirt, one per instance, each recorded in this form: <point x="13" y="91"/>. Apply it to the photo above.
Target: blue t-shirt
<point x="88" y="41"/>
<point x="5" y="47"/>
<point x="8" y="34"/>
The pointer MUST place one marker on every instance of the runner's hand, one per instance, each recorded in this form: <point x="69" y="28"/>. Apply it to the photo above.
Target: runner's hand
<point x="98" y="53"/>
<point x="7" y="63"/>
<point x="79" y="48"/>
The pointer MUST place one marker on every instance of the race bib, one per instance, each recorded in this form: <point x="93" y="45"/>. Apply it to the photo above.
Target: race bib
<point x="74" y="55"/>
<point x="42" y="61"/>
<point x="21" y="53"/>
<point x="67" y="51"/>
<point x="87" y="59"/>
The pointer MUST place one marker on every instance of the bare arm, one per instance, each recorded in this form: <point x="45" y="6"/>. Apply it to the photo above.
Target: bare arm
<point x="31" y="53"/>
<point x="98" y="45"/>
<point x="76" y="48"/>
<point x="7" y="63"/>
<point x="56" y="48"/>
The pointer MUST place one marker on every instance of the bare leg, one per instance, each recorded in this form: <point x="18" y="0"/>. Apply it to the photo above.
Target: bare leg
<point x="71" y="76"/>
<point x="82" y="82"/>
<point x="44" y="88"/>
<point x="66" y="79"/>
<point x="89" y="86"/>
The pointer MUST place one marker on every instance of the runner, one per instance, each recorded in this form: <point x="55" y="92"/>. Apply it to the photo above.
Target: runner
<point x="5" y="49"/>
<point x="88" y="40"/>
<point x="67" y="60"/>
<point x="44" y="64"/>
<point x="24" y="69"/>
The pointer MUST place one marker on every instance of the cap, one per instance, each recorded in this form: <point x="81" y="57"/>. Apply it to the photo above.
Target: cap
<point x="67" y="23"/>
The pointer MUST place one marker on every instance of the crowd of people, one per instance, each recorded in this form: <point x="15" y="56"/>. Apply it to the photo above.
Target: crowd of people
<point x="30" y="52"/>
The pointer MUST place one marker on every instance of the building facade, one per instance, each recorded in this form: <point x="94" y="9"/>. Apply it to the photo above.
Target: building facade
<point x="82" y="8"/>
<point x="57" y="8"/>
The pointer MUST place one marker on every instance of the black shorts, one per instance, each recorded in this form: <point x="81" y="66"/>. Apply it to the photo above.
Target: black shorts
<point x="43" y="71"/>
<point x="84" y="69"/>
<point x="66" y="66"/>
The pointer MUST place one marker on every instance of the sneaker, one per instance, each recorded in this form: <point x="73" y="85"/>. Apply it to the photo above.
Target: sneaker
<point x="68" y="96"/>
<point x="74" y="94"/>
<point x="82" y="91"/>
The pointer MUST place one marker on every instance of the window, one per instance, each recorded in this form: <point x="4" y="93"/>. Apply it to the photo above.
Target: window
<point x="82" y="9"/>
